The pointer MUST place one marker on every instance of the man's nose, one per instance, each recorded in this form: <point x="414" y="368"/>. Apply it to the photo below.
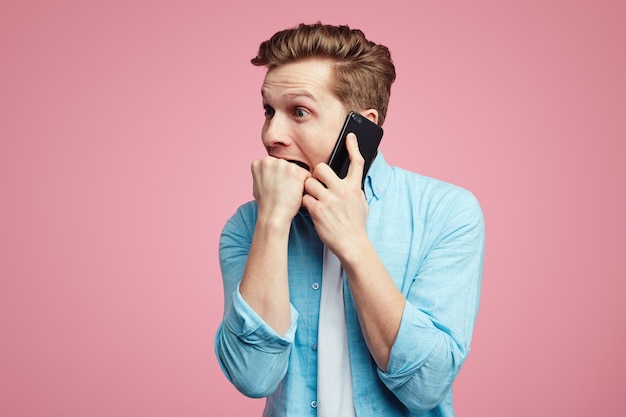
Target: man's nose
<point x="275" y="132"/>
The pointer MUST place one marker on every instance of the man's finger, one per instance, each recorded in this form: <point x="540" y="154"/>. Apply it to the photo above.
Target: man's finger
<point x="355" y="170"/>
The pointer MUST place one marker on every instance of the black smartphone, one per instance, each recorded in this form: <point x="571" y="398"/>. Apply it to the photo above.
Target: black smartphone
<point x="368" y="135"/>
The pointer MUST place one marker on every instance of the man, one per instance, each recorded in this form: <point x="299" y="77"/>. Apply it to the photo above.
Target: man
<point x="363" y="304"/>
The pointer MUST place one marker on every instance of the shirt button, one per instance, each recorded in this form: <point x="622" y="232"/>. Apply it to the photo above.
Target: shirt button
<point x="315" y="286"/>
<point x="314" y="346"/>
<point x="314" y="404"/>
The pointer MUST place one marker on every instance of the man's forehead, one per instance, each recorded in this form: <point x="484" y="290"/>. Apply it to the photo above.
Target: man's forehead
<point x="309" y="78"/>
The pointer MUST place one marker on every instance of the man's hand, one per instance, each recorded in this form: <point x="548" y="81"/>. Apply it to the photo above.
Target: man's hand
<point x="278" y="186"/>
<point x="337" y="206"/>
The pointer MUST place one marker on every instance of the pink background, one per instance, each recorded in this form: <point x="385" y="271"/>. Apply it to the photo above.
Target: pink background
<point x="126" y="133"/>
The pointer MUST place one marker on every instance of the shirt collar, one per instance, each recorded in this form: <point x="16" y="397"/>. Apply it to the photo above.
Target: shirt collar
<point x="377" y="178"/>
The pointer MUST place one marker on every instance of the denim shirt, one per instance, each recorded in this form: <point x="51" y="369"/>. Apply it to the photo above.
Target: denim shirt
<point x="430" y="236"/>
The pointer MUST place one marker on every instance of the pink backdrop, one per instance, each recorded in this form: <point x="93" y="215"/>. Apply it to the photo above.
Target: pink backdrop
<point x="126" y="133"/>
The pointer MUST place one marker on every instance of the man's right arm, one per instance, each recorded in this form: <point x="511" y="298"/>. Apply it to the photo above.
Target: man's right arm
<point x="251" y="353"/>
<point x="277" y="187"/>
<point x="264" y="285"/>
<point x="255" y="337"/>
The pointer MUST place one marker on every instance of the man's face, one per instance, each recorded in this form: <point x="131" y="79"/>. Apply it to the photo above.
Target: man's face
<point x="302" y="117"/>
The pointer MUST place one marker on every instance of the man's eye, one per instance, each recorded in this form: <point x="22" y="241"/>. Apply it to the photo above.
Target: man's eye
<point x="301" y="113"/>
<point x="269" y="111"/>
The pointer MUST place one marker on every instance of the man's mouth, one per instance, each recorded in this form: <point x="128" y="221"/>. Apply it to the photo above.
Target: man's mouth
<point x="300" y="164"/>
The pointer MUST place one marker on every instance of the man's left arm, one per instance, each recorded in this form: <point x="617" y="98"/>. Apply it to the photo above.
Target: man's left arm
<point x="419" y="340"/>
<point x="339" y="211"/>
<point x="437" y="323"/>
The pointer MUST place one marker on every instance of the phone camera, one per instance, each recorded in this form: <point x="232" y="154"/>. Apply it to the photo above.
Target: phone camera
<point x="357" y="118"/>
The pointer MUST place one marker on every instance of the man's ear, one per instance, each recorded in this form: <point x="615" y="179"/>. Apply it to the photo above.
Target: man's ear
<point x="371" y="114"/>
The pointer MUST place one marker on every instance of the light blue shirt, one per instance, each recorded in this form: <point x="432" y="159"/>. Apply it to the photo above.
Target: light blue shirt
<point x="430" y="236"/>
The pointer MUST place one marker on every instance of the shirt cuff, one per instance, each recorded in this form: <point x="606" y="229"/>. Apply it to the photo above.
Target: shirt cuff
<point x="244" y="322"/>
<point x="417" y="339"/>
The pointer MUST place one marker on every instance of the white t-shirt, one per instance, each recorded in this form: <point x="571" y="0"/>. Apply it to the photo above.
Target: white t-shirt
<point x="334" y="373"/>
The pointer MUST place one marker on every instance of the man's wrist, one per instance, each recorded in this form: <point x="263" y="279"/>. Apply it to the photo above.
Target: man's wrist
<point x="273" y="223"/>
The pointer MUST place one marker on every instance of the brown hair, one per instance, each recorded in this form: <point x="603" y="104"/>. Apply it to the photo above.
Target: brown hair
<point x="363" y="70"/>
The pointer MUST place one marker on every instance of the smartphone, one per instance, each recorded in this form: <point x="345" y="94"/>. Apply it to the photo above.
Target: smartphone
<point x="368" y="135"/>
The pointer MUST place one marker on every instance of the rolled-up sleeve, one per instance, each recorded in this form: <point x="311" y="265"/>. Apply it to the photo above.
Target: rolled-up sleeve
<point x="251" y="354"/>
<point x="442" y="303"/>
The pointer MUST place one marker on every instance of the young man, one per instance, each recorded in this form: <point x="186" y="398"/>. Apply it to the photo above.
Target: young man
<point x="364" y="303"/>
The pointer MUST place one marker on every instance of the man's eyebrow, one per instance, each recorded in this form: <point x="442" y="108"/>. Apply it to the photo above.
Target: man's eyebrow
<point x="297" y="94"/>
<point x="293" y="94"/>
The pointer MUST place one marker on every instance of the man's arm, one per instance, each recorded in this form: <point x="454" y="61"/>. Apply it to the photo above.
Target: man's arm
<point x="339" y="212"/>
<point x="252" y="355"/>
<point x="254" y="340"/>
<point x="420" y="339"/>
<point x="264" y="285"/>
<point x="441" y="308"/>
<point x="378" y="301"/>
<point x="278" y="188"/>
